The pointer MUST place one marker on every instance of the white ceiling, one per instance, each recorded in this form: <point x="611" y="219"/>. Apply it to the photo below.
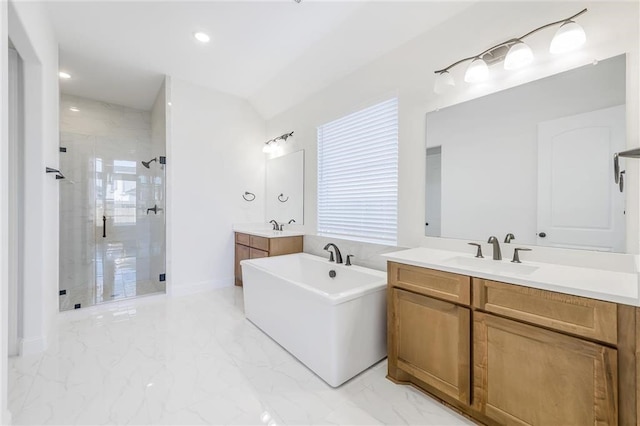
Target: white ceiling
<point x="273" y="53"/>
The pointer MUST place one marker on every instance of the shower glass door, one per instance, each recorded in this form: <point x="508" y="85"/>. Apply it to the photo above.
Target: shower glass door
<point x="112" y="223"/>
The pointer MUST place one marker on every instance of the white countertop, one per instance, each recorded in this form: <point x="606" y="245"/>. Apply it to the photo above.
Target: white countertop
<point x="262" y="230"/>
<point x="612" y="286"/>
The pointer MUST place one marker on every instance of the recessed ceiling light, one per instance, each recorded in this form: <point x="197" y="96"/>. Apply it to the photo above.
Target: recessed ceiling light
<point x="74" y="109"/>
<point x="202" y="37"/>
<point x="64" y="75"/>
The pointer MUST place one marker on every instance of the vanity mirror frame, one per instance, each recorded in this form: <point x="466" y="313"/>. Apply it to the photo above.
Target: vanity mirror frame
<point x="476" y="164"/>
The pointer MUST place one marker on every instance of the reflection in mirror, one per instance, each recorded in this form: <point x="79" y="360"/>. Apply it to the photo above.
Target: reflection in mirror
<point x="534" y="160"/>
<point x="285" y="188"/>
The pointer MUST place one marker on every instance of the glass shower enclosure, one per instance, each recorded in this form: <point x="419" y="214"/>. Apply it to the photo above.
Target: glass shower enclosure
<point x="112" y="222"/>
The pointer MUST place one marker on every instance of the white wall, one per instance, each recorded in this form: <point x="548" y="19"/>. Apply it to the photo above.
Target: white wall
<point x="32" y="34"/>
<point x="611" y="27"/>
<point x="214" y="156"/>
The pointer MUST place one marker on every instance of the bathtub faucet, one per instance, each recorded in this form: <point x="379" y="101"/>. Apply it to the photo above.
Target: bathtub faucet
<point x="335" y="248"/>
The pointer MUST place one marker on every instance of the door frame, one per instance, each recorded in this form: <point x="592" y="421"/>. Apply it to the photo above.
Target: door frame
<point x="16" y="206"/>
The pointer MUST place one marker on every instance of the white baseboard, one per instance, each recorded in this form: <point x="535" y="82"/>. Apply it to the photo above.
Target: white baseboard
<point x="32" y="345"/>
<point x="199" y="287"/>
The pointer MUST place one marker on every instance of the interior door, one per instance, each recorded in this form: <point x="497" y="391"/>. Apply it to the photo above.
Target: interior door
<point x="579" y="205"/>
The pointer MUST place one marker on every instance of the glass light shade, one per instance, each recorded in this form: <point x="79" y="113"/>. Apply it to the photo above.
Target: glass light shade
<point x="202" y="37"/>
<point x="444" y="81"/>
<point x="569" y="36"/>
<point x="267" y="148"/>
<point x="518" y="56"/>
<point x="477" y="71"/>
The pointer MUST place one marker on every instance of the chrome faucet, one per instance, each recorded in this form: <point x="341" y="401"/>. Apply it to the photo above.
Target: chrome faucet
<point x="338" y="254"/>
<point x="497" y="255"/>
<point x="276" y="227"/>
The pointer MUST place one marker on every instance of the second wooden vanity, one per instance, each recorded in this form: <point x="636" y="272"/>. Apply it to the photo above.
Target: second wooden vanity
<point x="248" y="246"/>
<point x="512" y="355"/>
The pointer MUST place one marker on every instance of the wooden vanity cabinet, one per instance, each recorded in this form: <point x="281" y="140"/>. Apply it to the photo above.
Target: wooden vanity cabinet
<point x="505" y="354"/>
<point x="253" y="247"/>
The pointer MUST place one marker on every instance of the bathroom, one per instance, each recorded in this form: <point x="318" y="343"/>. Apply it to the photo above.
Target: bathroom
<point x="217" y="127"/>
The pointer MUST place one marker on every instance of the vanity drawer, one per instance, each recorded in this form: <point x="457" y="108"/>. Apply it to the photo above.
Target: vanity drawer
<point x="260" y="243"/>
<point x="441" y="285"/>
<point x="594" y="319"/>
<point x="243" y="239"/>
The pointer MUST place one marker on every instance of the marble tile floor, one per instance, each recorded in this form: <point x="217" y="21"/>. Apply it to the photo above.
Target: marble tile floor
<point x="193" y="360"/>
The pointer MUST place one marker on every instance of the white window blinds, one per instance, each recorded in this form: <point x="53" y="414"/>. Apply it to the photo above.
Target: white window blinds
<point x="358" y="175"/>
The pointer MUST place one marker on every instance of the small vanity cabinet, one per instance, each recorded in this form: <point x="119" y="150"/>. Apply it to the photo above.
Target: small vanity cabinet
<point x="506" y="354"/>
<point x="252" y="247"/>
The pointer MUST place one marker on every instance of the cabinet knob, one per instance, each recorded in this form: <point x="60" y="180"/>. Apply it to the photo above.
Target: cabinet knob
<point x="542" y="235"/>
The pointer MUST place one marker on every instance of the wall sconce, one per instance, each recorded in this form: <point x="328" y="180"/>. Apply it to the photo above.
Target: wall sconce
<point x="514" y="52"/>
<point x="275" y="143"/>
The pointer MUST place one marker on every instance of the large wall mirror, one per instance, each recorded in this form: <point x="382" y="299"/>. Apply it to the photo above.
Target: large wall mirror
<point x="534" y="161"/>
<point x="285" y="188"/>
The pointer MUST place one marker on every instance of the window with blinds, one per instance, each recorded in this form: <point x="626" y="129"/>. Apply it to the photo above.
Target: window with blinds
<point x="358" y="175"/>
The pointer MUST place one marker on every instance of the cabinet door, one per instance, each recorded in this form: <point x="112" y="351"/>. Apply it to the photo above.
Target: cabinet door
<point x="526" y="375"/>
<point x="430" y="340"/>
<point x="242" y="253"/>
<point x="257" y="254"/>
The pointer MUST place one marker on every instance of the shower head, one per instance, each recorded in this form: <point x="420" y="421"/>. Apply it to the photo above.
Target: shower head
<point x="146" y="163"/>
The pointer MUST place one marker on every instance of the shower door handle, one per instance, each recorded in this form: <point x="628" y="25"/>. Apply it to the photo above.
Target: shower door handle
<point x="104" y="226"/>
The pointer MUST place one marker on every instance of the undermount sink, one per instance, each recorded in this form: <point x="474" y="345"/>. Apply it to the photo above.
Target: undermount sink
<point x="490" y="265"/>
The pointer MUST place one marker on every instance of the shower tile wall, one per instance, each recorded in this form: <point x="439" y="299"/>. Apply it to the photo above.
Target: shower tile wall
<point x="100" y="137"/>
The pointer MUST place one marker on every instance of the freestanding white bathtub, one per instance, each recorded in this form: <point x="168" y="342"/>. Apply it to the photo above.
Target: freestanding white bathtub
<point x="335" y="326"/>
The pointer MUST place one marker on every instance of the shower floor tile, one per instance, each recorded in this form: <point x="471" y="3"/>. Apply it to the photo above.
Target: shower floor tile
<point x="193" y="360"/>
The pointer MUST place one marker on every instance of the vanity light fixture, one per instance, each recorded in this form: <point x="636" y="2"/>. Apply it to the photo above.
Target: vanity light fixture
<point x="202" y="37"/>
<point x="73" y="109"/>
<point x="569" y="36"/>
<point x="514" y="52"/>
<point x="518" y="56"/>
<point x="478" y="71"/>
<point x="64" y="75"/>
<point x="273" y="144"/>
